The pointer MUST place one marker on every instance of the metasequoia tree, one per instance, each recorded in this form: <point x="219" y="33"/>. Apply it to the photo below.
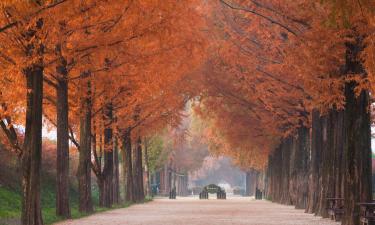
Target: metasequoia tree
<point x="23" y="36"/>
<point x="292" y="81"/>
<point x="141" y="98"/>
<point x="285" y="94"/>
<point x="132" y="50"/>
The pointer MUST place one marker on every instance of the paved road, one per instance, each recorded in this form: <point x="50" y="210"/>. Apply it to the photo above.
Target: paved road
<point x="192" y="211"/>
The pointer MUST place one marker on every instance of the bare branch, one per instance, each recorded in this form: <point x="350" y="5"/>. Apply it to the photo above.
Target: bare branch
<point x="260" y="15"/>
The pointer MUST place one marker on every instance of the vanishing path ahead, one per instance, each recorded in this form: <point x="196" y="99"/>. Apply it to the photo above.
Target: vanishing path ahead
<point x="192" y="211"/>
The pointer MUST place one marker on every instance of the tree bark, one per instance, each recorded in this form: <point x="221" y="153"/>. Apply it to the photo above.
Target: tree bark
<point x="339" y="153"/>
<point x="116" y="175"/>
<point x="293" y="171"/>
<point x="315" y="170"/>
<point x="32" y="150"/>
<point x="285" y="160"/>
<point x="101" y="188"/>
<point x="138" y="172"/>
<point x="299" y="169"/>
<point x="275" y="175"/>
<point x="327" y="164"/>
<point x="107" y="175"/>
<point x="62" y="160"/>
<point x="127" y="165"/>
<point x="357" y="145"/>
<point x="147" y="172"/>
<point x="357" y="154"/>
<point x="84" y="167"/>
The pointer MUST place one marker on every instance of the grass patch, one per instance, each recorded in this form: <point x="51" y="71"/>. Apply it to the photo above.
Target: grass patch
<point x="10" y="204"/>
<point x="49" y="215"/>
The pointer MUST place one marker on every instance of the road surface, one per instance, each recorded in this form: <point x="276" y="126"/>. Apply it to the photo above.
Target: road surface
<point x="192" y="211"/>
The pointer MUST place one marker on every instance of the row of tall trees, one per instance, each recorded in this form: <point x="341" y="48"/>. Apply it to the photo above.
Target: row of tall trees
<point x="105" y="74"/>
<point x="292" y="81"/>
<point x="184" y="151"/>
<point x="264" y="75"/>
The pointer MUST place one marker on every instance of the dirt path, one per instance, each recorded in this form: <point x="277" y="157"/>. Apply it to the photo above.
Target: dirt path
<point x="192" y="211"/>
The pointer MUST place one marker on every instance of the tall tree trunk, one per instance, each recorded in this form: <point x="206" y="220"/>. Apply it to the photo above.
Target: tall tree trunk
<point x="32" y="150"/>
<point x="293" y="170"/>
<point x="127" y="165"/>
<point x="102" y="190"/>
<point x="285" y="160"/>
<point x="298" y="168"/>
<point x="357" y="145"/>
<point x="62" y="160"/>
<point x="147" y="172"/>
<point x="84" y="166"/>
<point x="138" y="172"/>
<point x="302" y="162"/>
<point x="275" y="175"/>
<point x="186" y="191"/>
<point x="107" y="174"/>
<point x="315" y="170"/>
<point x="339" y="153"/>
<point x="326" y="166"/>
<point x="267" y="181"/>
<point x="248" y="183"/>
<point x="116" y="174"/>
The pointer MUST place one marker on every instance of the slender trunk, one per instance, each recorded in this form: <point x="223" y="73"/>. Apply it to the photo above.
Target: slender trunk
<point x="116" y="175"/>
<point x="248" y="183"/>
<point x="315" y="170"/>
<point x="179" y="185"/>
<point x="186" y="191"/>
<point x="134" y="174"/>
<point x="101" y="188"/>
<point x="62" y="160"/>
<point x="301" y="165"/>
<point x="293" y="171"/>
<point x="127" y="165"/>
<point x="107" y="174"/>
<point x="147" y="172"/>
<point x="169" y="180"/>
<point x="84" y="167"/>
<point x="32" y="152"/>
<point x="298" y="168"/>
<point x="325" y="167"/>
<point x="275" y="183"/>
<point x="267" y="180"/>
<point x="339" y="154"/>
<point x="285" y="159"/>
<point x="138" y="172"/>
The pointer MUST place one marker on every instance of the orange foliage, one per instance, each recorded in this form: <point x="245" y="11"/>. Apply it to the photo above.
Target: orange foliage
<point x="255" y="69"/>
<point x="273" y="64"/>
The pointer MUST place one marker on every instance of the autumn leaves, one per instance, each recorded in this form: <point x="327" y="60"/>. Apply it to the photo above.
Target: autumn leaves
<point x="96" y="70"/>
<point x="276" y="66"/>
<point x="107" y="73"/>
